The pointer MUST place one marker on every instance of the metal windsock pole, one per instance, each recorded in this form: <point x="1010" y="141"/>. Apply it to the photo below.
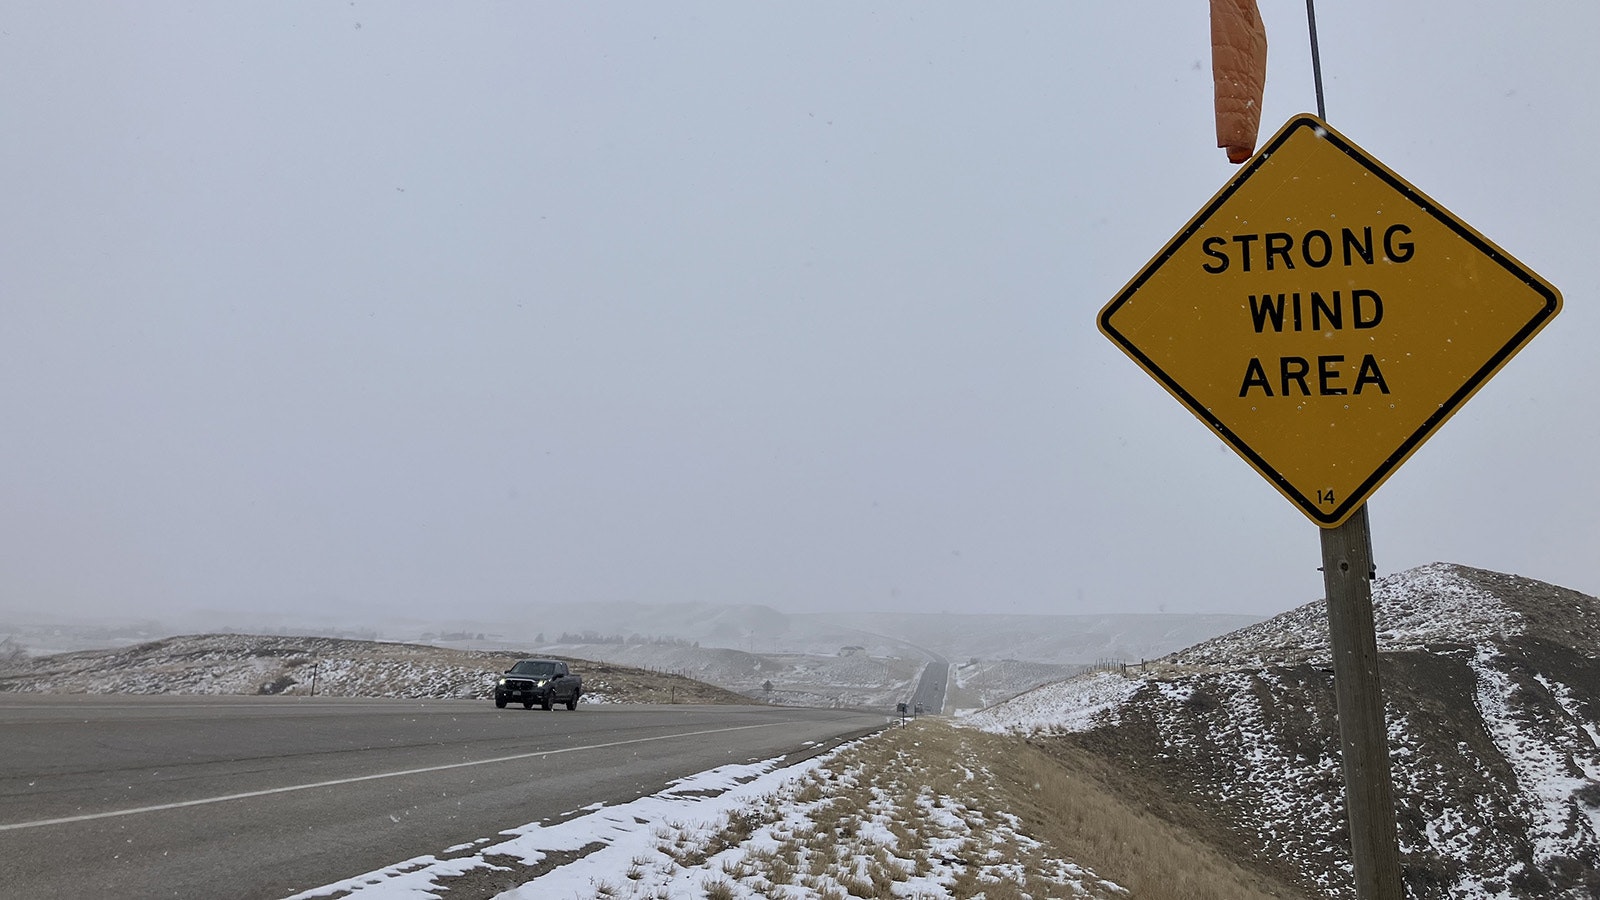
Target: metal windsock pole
<point x="1321" y="386"/>
<point x="1316" y="58"/>
<point x="1347" y="573"/>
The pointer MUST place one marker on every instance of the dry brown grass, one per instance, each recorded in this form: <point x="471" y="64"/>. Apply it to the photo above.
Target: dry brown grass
<point x="718" y="889"/>
<point x="1063" y="802"/>
<point x="987" y="815"/>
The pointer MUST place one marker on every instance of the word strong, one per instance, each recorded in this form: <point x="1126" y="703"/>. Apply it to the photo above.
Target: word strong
<point x="1319" y="311"/>
<point x="1324" y="317"/>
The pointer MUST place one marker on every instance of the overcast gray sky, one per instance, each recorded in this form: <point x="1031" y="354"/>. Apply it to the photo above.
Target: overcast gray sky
<point x="358" y="307"/>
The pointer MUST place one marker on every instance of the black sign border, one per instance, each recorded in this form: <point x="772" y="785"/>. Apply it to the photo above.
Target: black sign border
<point x="1425" y="204"/>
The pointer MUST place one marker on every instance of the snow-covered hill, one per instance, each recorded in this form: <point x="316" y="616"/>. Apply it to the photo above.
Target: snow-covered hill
<point x="1492" y="688"/>
<point x="270" y="664"/>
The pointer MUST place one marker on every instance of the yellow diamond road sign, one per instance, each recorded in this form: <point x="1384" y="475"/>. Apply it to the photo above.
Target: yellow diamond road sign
<point x="1324" y="317"/>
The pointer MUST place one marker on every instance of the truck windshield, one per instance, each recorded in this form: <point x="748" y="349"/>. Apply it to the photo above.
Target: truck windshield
<point x="536" y="669"/>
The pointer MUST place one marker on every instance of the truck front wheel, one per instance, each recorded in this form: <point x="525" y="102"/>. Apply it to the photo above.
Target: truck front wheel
<point x="499" y="702"/>
<point x="572" y="702"/>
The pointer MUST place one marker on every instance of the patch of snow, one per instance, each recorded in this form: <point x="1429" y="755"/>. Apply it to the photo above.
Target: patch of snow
<point x="1411" y="609"/>
<point x="638" y="849"/>
<point x="1077" y="704"/>
<point x="702" y="798"/>
<point x="1560" y="824"/>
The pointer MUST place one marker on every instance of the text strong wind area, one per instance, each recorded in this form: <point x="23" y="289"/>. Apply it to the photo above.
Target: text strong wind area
<point x="1324" y="317"/>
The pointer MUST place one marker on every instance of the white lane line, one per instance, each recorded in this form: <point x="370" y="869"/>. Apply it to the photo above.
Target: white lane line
<point x="16" y="826"/>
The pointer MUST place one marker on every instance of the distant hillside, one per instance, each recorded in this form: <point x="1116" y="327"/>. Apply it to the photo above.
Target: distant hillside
<point x="857" y="679"/>
<point x="1054" y="639"/>
<point x="648" y="672"/>
<point x="256" y="664"/>
<point x="1492" y="686"/>
<point x="1065" y="640"/>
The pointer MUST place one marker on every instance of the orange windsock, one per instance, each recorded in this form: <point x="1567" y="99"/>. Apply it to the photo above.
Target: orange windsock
<point x="1239" y="70"/>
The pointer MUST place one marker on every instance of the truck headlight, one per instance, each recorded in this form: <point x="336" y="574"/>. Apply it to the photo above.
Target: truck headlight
<point x="502" y="682"/>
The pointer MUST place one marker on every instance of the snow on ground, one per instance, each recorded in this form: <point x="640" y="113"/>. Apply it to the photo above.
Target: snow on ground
<point x="626" y="832"/>
<point x="1077" y="704"/>
<point x="1428" y="604"/>
<point x="830" y="826"/>
<point x="1270" y="767"/>
<point x="1448" y="830"/>
<point x="261" y="664"/>
<point x="1212" y="696"/>
<point x="1432" y="604"/>
<point x="1562" y="825"/>
<point x="980" y="683"/>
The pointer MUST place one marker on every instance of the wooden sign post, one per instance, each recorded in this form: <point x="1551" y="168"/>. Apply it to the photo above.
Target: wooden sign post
<point x="1347" y="572"/>
<point x="1324" y="318"/>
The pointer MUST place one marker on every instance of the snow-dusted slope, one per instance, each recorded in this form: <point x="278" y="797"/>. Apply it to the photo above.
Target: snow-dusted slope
<point x="271" y="664"/>
<point x="1492" y="689"/>
<point x="1439" y="602"/>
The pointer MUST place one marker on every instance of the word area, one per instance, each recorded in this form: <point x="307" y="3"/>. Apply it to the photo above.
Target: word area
<point x="1357" y="309"/>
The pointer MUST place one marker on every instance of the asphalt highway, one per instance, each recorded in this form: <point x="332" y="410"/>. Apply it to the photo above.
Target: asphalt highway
<point x="930" y="690"/>
<point x="249" y="797"/>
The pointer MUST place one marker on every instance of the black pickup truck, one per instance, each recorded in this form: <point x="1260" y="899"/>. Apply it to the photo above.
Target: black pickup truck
<point x="542" y="681"/>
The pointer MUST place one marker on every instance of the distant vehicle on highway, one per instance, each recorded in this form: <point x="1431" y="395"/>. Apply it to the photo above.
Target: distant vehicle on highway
<point x="542" y="681"/>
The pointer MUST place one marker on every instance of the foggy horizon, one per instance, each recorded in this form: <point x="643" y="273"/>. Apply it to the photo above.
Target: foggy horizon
<point x="354" y="310"/>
